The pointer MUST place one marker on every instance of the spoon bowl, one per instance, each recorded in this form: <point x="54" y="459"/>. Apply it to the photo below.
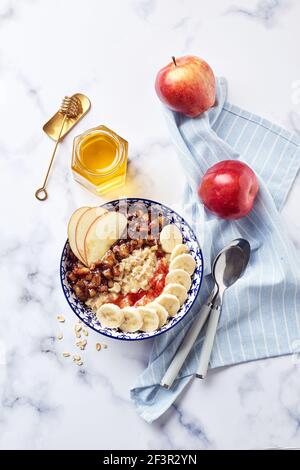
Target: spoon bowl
<point x="230" y="264"/>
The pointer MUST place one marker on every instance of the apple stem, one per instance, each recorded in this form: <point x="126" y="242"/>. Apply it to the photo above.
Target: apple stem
<point x="174" y="60"/>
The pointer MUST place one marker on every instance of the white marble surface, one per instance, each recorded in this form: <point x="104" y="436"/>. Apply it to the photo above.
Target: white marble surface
<point x="111" y="51"/>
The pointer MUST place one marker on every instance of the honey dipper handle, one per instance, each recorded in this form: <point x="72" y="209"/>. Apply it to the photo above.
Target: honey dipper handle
<point x="41" y="194"/>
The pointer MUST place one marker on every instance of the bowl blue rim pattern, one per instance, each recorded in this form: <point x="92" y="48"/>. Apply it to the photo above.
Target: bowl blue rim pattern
<point x="175" y="320"/>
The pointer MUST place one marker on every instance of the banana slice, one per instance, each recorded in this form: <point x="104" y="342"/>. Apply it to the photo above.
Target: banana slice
<point x="150" y="319"/>
<point x="179" y="250"/>
<point x="110" y="315"/>
<point x="185" y="262"/>
<point x="160" y="311"/>
<point x="178" y="290"/>
<point x="170" y="236"/>
<point x="133" y="320"/>
<point x="179" y="276"/>
<point x="170" y="303"/>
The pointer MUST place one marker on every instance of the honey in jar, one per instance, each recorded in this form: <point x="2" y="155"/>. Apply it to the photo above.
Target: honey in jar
<point x="99" y="160"/>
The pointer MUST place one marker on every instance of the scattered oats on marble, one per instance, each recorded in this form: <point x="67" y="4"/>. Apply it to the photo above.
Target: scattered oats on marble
<point x="98" y="346"/>
<point x="66" y="354"/>
<point x="77" y="360"/>
<point x="104" y="346"/>
<point x="85" y="332"/>
<point x="81" y="344"/>
<point x="77" y="328"/>
<point x="59" y="336"/>
<point x="61" y="318"/>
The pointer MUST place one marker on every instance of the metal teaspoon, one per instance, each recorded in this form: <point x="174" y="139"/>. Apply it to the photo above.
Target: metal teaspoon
<point x="228" y="267"/>
<point x="238" y="251"/>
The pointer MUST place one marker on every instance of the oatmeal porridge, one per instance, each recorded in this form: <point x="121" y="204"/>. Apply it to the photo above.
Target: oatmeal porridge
<point x="140" y="279"/>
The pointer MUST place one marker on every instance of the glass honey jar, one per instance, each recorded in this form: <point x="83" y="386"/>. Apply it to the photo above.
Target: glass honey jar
<point x="99" y="159"/>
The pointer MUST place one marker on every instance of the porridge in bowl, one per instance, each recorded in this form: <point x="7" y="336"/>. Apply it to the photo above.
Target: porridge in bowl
<point x="130" y="266"/>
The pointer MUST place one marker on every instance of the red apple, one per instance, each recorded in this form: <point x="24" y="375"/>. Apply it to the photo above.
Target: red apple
<point x="228" y="189"/>
<point x="187" y="85"/>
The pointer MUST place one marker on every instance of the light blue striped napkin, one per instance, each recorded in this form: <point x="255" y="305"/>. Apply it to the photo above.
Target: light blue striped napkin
<point x="261" y="313"/>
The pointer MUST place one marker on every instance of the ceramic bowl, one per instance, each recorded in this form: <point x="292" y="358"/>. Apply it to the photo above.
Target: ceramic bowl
<point x="88" y="317"/>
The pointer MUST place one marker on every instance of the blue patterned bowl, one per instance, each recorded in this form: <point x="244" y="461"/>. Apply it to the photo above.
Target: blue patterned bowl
<point x="85" y="314"/>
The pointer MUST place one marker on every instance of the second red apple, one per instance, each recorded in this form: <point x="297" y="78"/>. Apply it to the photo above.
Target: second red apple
<point x="229" y="189"/>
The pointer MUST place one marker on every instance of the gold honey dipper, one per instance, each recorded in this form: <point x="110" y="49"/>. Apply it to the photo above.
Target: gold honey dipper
<point x="71" y="107"/>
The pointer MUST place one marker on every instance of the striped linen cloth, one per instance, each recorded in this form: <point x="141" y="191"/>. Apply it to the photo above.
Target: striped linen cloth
<point x="261" y="312"/>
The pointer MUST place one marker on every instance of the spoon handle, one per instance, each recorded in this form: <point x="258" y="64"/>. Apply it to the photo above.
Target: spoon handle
<point x="208" y="342"/>
<point x="186" y="346"/>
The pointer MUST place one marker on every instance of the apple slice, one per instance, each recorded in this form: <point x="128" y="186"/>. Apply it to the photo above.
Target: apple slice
<point x="83" y="225"/>
<point x="72" y="229"/>
<point x="103" y="232"/>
